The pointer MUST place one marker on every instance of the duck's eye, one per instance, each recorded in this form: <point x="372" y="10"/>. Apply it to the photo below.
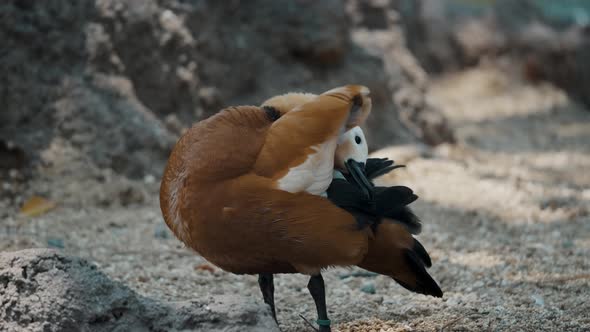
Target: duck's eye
<point x="357" y="139"/>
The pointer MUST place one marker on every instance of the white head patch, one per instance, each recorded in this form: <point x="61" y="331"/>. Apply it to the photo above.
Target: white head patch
<point x="351" y="145"/>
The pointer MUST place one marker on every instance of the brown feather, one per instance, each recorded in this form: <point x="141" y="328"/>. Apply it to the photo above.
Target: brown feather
<point x="266" y="230"/>
<point x="218" y="194"/>
<point x="289" y="101"/>
<point x="291" y="138"/>
<point x="385" y="254"/>
<point x="214" y="202"/>
<point x="196" y="159"/>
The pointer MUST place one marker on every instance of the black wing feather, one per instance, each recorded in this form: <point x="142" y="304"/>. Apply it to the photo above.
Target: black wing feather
<point x="406" y="217"/>
<point x="349" y="197"/>
<point x="376" y="167"/>
<point x="392" y="199"/>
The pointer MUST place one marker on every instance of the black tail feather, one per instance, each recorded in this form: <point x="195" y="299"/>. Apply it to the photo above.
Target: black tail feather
<point x="424" y="282"/>
<point x="422" y="253"/>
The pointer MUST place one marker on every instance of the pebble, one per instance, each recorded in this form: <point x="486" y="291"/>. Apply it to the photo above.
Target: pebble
<point x="13" y="173"/>
<point x="55" y="243"/>
<point x="368" y="288"/>
<point x="538" y="300"/>
<point x="453" y="301"/>
<point x="478" y="284"/>
<point x="161" y="232"/>
<point x="567" y="244"/>
<point x="349" y="274"/>
<point x="149" y="179"/>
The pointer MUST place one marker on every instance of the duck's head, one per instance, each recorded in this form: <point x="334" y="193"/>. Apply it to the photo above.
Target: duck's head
<point x="352" y="150"/>
<point x="351" y="157"/>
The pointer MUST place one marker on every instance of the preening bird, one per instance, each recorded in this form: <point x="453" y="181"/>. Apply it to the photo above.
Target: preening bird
<point x="243" y="188"/>
<point x="393" y="251"/>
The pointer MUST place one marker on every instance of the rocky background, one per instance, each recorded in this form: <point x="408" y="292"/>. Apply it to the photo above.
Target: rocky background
<point x="485" y="101"/>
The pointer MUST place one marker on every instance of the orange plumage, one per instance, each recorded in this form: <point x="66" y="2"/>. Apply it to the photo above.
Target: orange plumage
<point x="220" y="194"/>
<point x="242" y="188"/>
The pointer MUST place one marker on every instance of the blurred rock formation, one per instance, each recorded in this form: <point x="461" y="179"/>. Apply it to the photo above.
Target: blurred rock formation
<point x="550" y="38"/>
<point x="116" y="82"/>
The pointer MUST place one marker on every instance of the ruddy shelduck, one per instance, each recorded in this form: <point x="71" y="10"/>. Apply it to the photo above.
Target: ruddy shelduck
<point x="244" y="189"/>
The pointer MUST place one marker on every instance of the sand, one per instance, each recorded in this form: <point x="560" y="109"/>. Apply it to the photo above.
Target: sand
<point x="505" y="212"/>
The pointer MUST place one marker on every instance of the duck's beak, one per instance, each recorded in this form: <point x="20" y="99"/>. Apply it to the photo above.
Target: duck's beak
<point x="357" y="173"/>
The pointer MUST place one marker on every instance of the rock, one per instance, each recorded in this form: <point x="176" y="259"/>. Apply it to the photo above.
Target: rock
<point x="161" y="231"/>
<point x="447" y="35"/>
<point x="415" y="118"/>
<point x="564" y="64"/>
<point x="539" y="301"/>
<point x="292" y="46"/>
<point x="357" y="273"/>
<point x="42" y="290"/>
<point x="114" y="84"/>
<point x="105" y="121"/>
<point x="368" y="287"/>
<point x="56" y="243"/>
<point x="11" y="157"/>
<point x="429" y="33"/>
<point x="55" y="87"/>
<point x="551" y="41"/>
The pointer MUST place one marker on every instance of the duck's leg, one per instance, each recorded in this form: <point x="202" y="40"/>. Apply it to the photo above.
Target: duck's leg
<point x="318" y="292"/>
<point x="267" y="287"/>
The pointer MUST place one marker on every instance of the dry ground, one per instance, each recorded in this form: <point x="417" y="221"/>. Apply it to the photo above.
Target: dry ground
<point x="506" y="214"/>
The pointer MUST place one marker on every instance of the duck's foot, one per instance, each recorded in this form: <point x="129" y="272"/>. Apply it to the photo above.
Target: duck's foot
<point x="318" y="292"/>
<point x="267" y="287"/>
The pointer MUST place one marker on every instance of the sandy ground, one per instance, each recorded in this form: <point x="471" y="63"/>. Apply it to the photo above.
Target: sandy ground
<point x="506" y="214"/>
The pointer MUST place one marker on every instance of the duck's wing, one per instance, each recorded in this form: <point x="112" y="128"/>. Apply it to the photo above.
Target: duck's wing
<point x="304" y="130"/>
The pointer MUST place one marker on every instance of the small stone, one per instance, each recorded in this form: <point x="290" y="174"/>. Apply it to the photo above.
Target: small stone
<point x="567" y="244"/>
<point x="348" y="274"/>
<point x="478" y="284"/>
<point x="538" y="300"/>
<point x="13" y="173"/>
<point x="174" y="124"/>
<point x="368" y="288"/>
<point x="453" y="301"/>
<point x="131" y="195"/>
<point x="149" y="179"/>
<point x="161" y="232"/>
<point x="55" y="243"/>
<point x="209" y="96"/>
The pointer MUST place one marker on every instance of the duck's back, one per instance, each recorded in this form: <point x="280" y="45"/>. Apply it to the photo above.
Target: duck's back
<point x="212" y="151"/>
<point x="222" y="147"/>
